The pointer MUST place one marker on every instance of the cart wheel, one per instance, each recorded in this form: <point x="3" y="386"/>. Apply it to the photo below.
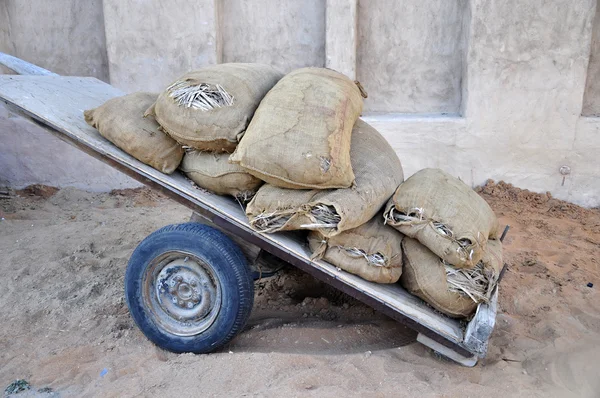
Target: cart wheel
<point x="188" y="288"/>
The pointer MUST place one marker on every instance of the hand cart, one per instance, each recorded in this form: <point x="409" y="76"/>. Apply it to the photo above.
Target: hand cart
<point x="188" y="286"/>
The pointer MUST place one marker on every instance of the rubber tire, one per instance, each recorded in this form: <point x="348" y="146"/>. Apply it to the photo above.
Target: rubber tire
<point x="232" y="272"/>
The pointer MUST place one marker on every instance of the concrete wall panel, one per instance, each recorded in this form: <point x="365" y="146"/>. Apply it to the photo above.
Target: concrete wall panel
<point x="287" y="34"/>
<point x="527" y="66"/>
<point x="410" y="55"/>
<point x="31" y="155"/>
<point x="64" y="36"/>
<point x="341" y="36"/>
<point x="514" y="70"/>
<point x="151" y="42"/>
<point x="591" y="101"/>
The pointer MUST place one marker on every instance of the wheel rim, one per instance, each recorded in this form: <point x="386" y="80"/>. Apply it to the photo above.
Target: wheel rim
<point x="182" y="293"/>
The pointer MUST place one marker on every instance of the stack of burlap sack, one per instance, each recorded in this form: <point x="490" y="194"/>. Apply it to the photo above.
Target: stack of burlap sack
<point x="194" y="124"/>
<point x="294" y="149"/>
<point x="452" y="255"/>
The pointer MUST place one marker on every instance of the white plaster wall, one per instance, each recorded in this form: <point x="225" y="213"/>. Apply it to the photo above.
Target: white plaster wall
<point x="523" y="89"/>
<point x="410" y="54"/>
<point x="31" y="155"/>
<point x="426" y="141"/>
<point x="287" y="34"/>
<point x="67" y="37"/>
<point x="584" y="160"/>
<point x="152" y="42"/>
<point x="6" y="45"/>
<point x="511" y="74"/>
<point x="341" y="36"/>
<point x="591" y="102"/>
<point x="527" y="65"/>
<point x="64" y="36"/>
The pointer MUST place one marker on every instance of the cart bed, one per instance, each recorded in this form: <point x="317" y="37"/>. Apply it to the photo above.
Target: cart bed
<point x="56" y="103"/>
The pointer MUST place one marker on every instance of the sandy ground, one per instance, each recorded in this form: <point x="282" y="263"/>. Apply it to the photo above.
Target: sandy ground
<point x="65" y="325"/>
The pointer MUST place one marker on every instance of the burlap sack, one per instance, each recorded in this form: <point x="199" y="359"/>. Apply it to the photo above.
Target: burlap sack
<point x="209" y="109"/>
<point x="213" y="172"/>
<point x="121" y="121"/>
<point x="300" y="135"/>
<point x="378" y="171"/>
<point x="454" y="291"/>
<point x="444" y="214"/>
<point x="372" y="251"/>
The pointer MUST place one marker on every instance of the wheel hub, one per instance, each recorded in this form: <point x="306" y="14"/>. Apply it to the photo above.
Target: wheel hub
<point x="185" y="288"/>
<point x="183" y="293"/>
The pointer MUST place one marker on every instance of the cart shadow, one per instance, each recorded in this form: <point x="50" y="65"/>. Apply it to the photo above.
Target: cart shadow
<point x="290" y="333"/>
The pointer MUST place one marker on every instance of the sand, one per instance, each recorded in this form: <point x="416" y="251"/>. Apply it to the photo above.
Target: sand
<point x="65" y="325"/>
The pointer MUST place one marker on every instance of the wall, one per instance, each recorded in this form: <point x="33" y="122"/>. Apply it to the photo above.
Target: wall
<point x="66" y="37"/>
<point x="501" y="89"/>
<point x="591" y="100"/>
<point x="31" y="155"/>
<point x="526" y="79"/>
<point x="288" y="37"/>
<point x="410" y="54"/>
<point x="151" y="42"/>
